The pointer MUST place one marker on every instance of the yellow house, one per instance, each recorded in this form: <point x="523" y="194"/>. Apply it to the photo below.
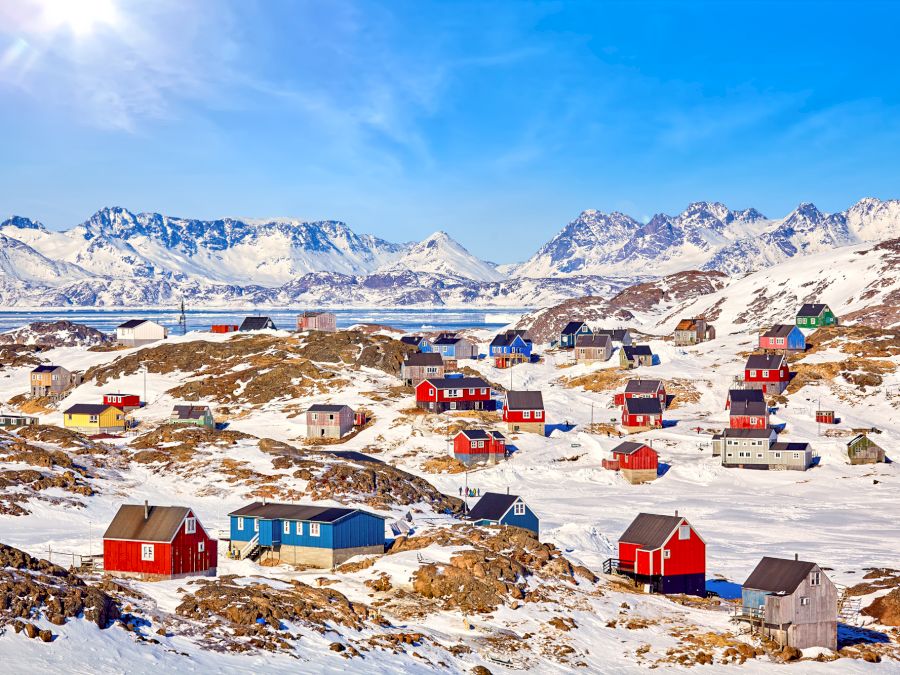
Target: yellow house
<point x="94" y="418"/>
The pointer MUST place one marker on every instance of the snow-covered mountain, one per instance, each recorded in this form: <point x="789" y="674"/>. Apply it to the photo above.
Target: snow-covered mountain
<point x="706" y="235"/>
<point x="440" y="254"/>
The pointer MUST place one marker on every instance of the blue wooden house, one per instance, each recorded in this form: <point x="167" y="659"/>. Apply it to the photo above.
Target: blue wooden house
<point x="452" y="347"/>
<point x="319" y="536"/>
<point x="495" y="508"/>
<point x="570" y="333"/>
<point x="783" y="337"/>
<point x="509" y="348"/>
<point x="420" y="342"/>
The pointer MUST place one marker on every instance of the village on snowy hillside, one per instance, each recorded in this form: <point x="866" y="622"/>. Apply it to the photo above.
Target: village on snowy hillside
<point x="678" y="486"/>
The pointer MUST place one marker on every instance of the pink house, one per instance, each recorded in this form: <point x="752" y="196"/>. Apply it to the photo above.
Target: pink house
<point x="329" y="421"/>
<point x="321" y="321"/>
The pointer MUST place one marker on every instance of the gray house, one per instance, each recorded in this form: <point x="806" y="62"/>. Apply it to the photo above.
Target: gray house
<point x="792" y="602"/>
<point x="328" y="421"/>
<point x="591" y="348"/>
<point x="619" y="336"/>
<point x="757" y="449"/>
<point x="419" y="366"/>
<point x="50" y="380"/>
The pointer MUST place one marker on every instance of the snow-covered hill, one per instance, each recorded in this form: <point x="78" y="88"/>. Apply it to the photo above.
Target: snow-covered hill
<point x="440" y="254"/>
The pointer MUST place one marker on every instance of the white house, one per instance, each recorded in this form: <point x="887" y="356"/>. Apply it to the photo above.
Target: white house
<point x="140" y="332"/>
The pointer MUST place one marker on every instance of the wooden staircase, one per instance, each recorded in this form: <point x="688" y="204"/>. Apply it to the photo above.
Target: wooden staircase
<point x="848" y="607"/>
<point x="251" y="550"/>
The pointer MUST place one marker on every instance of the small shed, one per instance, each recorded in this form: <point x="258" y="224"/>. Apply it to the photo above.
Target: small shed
<point x="863" y="450"/>
<point x="825" y="416"/>
<point x="257" y="323"/>
<point x="224" y="328"/>
<point x="637" y="462"/>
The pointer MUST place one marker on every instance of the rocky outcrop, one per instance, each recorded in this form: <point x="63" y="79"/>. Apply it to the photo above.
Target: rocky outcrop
<point x="49" y="334"/>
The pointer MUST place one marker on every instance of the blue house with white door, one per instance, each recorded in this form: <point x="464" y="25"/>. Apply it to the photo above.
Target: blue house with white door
<point x="318" y="536"/>
<point x="570" y="332"/>
<point x="504" y="509"/>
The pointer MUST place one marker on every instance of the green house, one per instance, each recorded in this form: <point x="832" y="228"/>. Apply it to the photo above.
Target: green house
<point x="193" y="415"/>
<point x="815" y="316"/>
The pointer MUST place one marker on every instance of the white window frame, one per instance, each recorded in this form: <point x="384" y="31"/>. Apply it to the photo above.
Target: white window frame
<point x="240" y="522"/>
<point x="201" y="546"/>
<point x="519" y="509"/>
<point x="815" y="579"/>
<point x="298" y="528"/>
<point x="148" y="552"/>
<point x="286" y="527"/>
<point x="684" y="532"/>
<point x="431" y="392"/>
<point x="667" y="553"/>
<point x="765" y="373"/>
<point x="314" y="529"/>
<point x="538" y="414"/>
<point x="526" y="414"/>
<point x="256" y="524"/>
<point x="752" y="373"/>
<point x="190" y="525"/>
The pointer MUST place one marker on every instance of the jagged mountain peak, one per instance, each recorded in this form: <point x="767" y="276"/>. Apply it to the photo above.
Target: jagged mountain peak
<point x="441" y="254"/>
<point x="22" y="223"/>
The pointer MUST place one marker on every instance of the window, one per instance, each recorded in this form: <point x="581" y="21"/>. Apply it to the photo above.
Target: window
<point x="796" y="455"/>
<point x="752" y="420"/>
<point x="526" y="414"/>
<point x="471" y="392"/>
<point x="256" y="525"/>
<point x="315" y="417"/>
<point x="201" y="546"/>
<point x="298" y="528"/>
<point x="240" y="523"/>
<point x="453" y="393"/>
<point x="667" y="553"/>
<point x="286" y="528"/>
<point x="752" y="373"/>
<point x="804" y="601"/>
<point x="519" y="509"/>
<point x="480" y="444"/>
<point x="538" y="414"/>
<point x="93" y="419"/>
<point x="744" y="453"/>
<point x="147" y="552"/>
<point x="190" y="525"/>
<point x="815" y="579"/>
<point x="473" y="444"/>
<point x="684" y="532"/>
<point x="483" y="391"/>
<point x="431" y="392"/>
<point x="314" y="529"/>
<point x="765" y="373"/>
<point x="779" y="341"/>
<point x="776" y="455"/>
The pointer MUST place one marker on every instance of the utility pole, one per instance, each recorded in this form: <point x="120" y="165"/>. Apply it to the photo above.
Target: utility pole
<point x="182" y="320"/>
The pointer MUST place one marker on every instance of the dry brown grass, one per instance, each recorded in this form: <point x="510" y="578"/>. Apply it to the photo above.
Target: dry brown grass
<point x="607" y="379"/>
<point x="444" y="464"/>
<point x="684" y="391"/>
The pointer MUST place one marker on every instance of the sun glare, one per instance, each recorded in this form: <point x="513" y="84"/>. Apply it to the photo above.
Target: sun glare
<point x="79" y="16"/>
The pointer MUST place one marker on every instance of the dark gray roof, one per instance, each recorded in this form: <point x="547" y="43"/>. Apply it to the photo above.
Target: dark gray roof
<point x="812" y="309"/>
<point x="45" y="369"/>
<point x="132" y="323"/>
<point x="491" y="506"/>
<point x="778" y="575"/>
<point x="649" y="530"/>
<point x="447" y="340"/>
<point x="86" y="409"/>
<point x="643" y="406"/>
<point x="414" y="340"/>
<point x="737" y="395"/>
<point x="753" y="408"/>
<point x="598" y="341"/>
<point x="764" y="362"/>
<point x="642" y="386"/>
<point x="189" y="412"/>
<point x="629" y="447"/>
<point x="617" y="334"/>
<point x="257" y="323"/>
<point x="572" y="327"/>
<point x="636" y="350"/>
<point x="779" y="330"/>
<point x="790" y="447"/>
<point x="321" y="407"/>
<point x="316" y="514"/>
<point x="748" y="433"/>
<point x="130" y="524"/>
<point x="524" y="400"/>
<point x="508" y="337"/>
<point x="481" y="434"/>
<point x="458" y="382"/>
<point x="423" y="359"/>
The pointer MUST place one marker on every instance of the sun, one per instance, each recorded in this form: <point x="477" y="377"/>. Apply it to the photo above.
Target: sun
<point x="79" y="16"/>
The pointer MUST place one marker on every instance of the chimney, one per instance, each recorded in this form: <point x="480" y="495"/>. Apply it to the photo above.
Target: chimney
<point x="507" y="489"/>
<point x="146" y="510"/>
<point x="264" y="501"/>
<point x="796" y="556"/>
<point x="676" y="513"/>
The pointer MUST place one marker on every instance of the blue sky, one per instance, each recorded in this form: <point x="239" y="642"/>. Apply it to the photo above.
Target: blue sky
<point x="498" y="122"/>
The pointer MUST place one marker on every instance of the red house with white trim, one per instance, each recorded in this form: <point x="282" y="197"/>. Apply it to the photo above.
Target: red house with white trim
<point x="158" y="542"/>
<point x="122" y="401"/>
<point x="768" y="372"/>
<point x="439" y="394"/>
<point x="642" y="389"/>
<point x="748" y="415"/>
<point x="663" y="553"/>
<point x="638" y="462"/>
<point x="524" y="411"/>
<point x="477" y="445"/>
<point x="641" y="413"/>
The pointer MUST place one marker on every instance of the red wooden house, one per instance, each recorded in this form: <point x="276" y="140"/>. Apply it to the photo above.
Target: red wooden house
<point x="638" y="462"/>
<point x="524" y="411"/>
<point x="224" y="328"/>
<point x="453" y="393"/>
<point x="748" y="415"/>
<point x="158" y="542"/>
<point x="768" y="372"/>
<point x="122" y="401"/>
<point x="642" y="412"/>
<point x="477" y="445"/>
<point x="665" y="554"/>
<point x="642" y="389"/>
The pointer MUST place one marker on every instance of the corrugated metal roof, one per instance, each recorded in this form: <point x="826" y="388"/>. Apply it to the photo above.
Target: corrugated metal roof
<point x="812" y="309"/>
<point x="686" y="324"/>
<point x="491" y="506"/>
<point x="189" y="412"/>
<point x="45" y="369"/>
<point x="458" y="382"/>
<point x="779" y="330"/>
<point x="598" y="341"/>
<point x="642" y="386"/>
<point x="161" y="525"/>
<point x="321" y="407"/>
<point x="524" y="400"/>
<point x="86" y="409"/>
<point x="748" y="433"/>
<point x="764" y="362"/>
<point x="737" y="395"/>
<point x="617" y="334"/>
<point x="650" y="531"/>
<point x="778" y="575"/>
<point x="753" y="408"/>
<point x="636" y="350"/>
<point x="572" y="327"/>
<point x="132" y="323"/>
<point x="474" y="434"/>
<point x="315" y="514"/>
<point x="257" y="323"/>
<point x="790" y="447"/>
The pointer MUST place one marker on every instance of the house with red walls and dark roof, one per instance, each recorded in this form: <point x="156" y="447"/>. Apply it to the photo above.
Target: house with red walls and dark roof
<point x="768" y="372"/>
<point x="471" y="446"/>
<point x="663" y="553"/>
<point x="748" y="415"/>
<point x="637" y="462"/>
<point x="642" y="413"/>
<point x="438" y="394"/>
<point x="642" y="389"/>
<point x="524" y="411"/>
<point x="158" y="542"/>
<point x="125" y="402"/>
